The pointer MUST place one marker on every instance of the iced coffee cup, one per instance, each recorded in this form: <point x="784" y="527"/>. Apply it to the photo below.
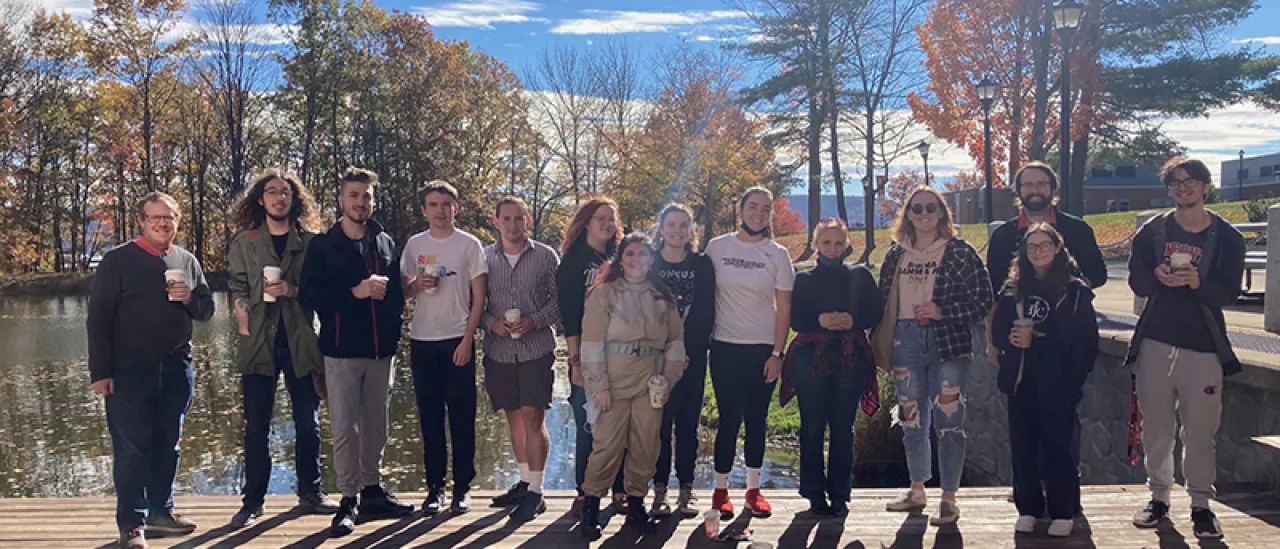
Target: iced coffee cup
<point x="271" y="274"/>
<point x="432" y="270"/>
<point x="173" y="277"/>
<point x="1023" y="327"/>
<point x="511" y="316"/>
<point x="712" y="521"/>
<point x="657" y="391"/>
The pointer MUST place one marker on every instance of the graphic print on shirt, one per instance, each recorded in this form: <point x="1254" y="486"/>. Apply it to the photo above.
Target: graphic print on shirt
<point x="917" y="273"/>
<point x="1037" y="309"/>
<point x="680" y="281"/>
<point x="739" y="263"/>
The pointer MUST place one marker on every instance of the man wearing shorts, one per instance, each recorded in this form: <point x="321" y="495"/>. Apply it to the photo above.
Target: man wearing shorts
<point x="519" y="348"/>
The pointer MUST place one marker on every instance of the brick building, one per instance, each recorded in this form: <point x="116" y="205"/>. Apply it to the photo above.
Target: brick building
<point x="1124" y="188"/>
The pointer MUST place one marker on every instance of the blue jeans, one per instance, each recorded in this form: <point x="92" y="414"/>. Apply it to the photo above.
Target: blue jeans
<point x="831" y="401"/>
<point x="259" y="404"/>
<point x="922" y="378"/>
<point x="144" y="416"/>
<point x="582" y="445"/>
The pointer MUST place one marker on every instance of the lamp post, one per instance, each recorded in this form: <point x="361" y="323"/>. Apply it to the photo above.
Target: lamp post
<point x="1240" y="177"/>
<point x="987" y="90"/>
<point x="923" y="148"/>
<point x="1066" y="18"/>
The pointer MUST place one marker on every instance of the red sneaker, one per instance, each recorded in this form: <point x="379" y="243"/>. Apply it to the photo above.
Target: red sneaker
<point x="720" y="501"/>
<point x="756" y="503"/>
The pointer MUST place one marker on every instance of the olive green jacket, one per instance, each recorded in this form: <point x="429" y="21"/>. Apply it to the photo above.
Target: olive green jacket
<point x="250" y="251"/>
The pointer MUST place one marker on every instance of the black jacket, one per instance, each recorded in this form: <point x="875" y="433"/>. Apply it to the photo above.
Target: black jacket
<point x="1076" y="235"/>
<point x="846" y="289"/>
<point x="577" y="271"/>
<point x="1061" y="360"/>
<point x="350" y="327"/>
<point x="695" y="299"/>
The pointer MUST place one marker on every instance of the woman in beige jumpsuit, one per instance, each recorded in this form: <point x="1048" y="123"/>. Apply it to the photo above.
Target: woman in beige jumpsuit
<point x="631" y="332"/>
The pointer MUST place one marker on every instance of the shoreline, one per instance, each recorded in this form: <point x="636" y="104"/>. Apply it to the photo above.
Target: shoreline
<point x="73" y="284"/>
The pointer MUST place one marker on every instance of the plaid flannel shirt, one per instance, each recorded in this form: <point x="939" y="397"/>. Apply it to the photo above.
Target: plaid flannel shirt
<point x="962" y="292"/>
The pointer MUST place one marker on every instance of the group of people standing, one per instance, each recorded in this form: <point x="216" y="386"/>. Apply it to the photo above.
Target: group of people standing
<point x="642" y="319"/>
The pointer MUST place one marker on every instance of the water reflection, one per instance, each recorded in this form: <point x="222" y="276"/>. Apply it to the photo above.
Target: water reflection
<point x="54" y="441"/>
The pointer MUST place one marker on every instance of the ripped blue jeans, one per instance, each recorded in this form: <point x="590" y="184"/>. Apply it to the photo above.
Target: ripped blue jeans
<point x="930" y="393"/>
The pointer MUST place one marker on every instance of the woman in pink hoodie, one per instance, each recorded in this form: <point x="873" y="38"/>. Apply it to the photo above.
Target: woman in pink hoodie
<point x="936" y="287"/>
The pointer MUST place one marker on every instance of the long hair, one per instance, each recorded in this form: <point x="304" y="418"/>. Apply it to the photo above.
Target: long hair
<point x="613" y="268"/>
<point x="742" y="204"/>
<point x="249" y="214"/>
<point x="904" y="232"/>
<point x="1060" y="271"/>
<point x="675" y="207"/>
<point x="577" y="229"/>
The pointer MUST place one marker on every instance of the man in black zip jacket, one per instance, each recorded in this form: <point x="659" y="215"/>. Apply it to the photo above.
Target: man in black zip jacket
<point x="351" y="279"/>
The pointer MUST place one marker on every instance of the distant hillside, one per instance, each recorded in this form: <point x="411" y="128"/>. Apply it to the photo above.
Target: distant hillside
<point x="853" y="204"/>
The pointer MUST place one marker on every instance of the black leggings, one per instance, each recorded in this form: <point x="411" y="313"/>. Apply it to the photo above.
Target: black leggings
<point x="737" y="376"/>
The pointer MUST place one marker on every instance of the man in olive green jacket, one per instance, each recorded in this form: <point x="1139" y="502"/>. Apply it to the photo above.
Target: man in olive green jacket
<point x="277" y="220"/>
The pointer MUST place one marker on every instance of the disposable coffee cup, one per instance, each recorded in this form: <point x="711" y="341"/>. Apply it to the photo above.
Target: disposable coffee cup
<point x="173" y="277"/>
<point x="271" y="274"/>
<point x="657" y="390"/>
<point x="1179" y="260"/>
<point x="432" y="270"/>
<point x="712" y="522"/>
<point x="512" y="315"/>
<point x="1023" y="326"/>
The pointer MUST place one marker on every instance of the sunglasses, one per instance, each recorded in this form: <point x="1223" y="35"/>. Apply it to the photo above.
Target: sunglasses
<point x="918" y="209"/>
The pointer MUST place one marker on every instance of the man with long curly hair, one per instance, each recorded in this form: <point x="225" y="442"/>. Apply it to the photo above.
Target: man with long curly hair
<point x="276" y="220"/>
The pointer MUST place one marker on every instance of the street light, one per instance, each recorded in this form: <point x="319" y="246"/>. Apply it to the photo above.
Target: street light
<point x="1240" y="176"/>
<point x="923" y="147"/>
<point x="1066" y="18"/>
<point x="987" y="90"/>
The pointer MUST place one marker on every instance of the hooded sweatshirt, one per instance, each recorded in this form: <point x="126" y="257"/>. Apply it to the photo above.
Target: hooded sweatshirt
<point x="917" y="273"/>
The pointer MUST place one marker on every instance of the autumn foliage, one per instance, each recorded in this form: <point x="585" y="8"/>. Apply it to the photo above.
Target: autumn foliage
<point x="786" y="221"/>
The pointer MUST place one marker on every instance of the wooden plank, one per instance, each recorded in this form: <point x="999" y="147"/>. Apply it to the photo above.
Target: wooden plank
<point x="1249" y="520"/>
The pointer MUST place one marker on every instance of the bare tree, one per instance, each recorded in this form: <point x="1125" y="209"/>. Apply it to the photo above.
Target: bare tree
<point x="562" y="105"/>
<point x="233" y="68"/>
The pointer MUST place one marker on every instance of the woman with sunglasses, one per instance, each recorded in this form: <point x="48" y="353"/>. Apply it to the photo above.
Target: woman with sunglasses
<point x="936" y="288"/>
<point x="1046" y="334"/>
<point x="632" y="352"/>
<point x="754" y="278"/>
<point x="692" y="279"/>
<point x="829" y="365"/>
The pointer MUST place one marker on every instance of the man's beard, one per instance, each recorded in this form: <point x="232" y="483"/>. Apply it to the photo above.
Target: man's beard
<point x="1036" y="203"/>
<point x="357" y="217"/>
<point x="275" y="217"/>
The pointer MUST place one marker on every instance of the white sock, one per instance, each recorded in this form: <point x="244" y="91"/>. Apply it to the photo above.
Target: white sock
<point x="524" y="472"/>
<point x="722" y="481"/>
<point x="535" y="481"/>
<point x="753" y="478"/>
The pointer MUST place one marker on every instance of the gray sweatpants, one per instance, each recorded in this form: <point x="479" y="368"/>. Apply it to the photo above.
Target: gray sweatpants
<point x="1172" y="380"/>
<point x="359" y="395"/>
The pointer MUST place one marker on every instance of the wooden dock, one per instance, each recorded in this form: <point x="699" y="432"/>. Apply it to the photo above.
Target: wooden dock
<point x="1249" y="520"/>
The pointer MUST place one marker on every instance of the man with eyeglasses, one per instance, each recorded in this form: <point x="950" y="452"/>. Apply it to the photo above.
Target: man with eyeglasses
<point x="145" y="295"/>
<point x="1189" y="264"/>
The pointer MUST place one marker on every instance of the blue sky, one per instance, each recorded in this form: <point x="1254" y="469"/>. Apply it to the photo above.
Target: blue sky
<point x="517" y="31"/>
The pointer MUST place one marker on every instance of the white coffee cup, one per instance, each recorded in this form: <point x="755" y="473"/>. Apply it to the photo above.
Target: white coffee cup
<point x="432" y="270"/>
<point x="657" y="391"/>
<point x="512" y="315"/>
<point x="271" y="274"/>
<point x="173" y="277"/>
<point x="1179" y="260"/>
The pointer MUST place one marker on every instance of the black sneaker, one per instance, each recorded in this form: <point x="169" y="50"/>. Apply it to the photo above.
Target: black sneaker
<point x="819" y="506"/>
<point x="514" y="496"/>
<point x="1205" y="524"/>
<point x="377" y="501"/>
<point x="172" y="524"/>
<point x="530" y="507"/>
<point x="461" y="502"/>
<point x="317" y="504"/>
<point x="246" y="516"/>
<point x="1151" y="515"/>
<point x="434" y="502"/>
<point x="839" y="509"/>
<point x="344" y="523"/>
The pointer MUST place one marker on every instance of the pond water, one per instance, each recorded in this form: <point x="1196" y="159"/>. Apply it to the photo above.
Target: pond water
<point x="54" y="440"/>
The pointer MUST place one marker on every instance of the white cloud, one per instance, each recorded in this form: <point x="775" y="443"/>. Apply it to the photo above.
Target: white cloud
<point x="78" y="9"/>
<point x="1227" y="131"/>
<point x="1263" y="40"/>
<point x="481" y="14"/>
<point x="266" y="34"/>
<point x="623" y="22"/>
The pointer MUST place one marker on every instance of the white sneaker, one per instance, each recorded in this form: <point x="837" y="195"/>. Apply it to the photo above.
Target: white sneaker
<point x="1026" y="524"/>
<point x="1061" y="528"/>
<point x="948" y="513"/>
<point x="911" y="501"/>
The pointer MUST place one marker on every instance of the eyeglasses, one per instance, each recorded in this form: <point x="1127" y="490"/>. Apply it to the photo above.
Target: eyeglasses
<point x="1184" y="183"/>
<point x="159" y="218"/>
<point x="1042" y="247"/>
<point x="919" y="209"/>
<point x="282" y="193"/>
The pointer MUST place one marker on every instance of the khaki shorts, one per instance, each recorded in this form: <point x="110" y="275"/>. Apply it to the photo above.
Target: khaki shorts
<point x="512" y="386"/>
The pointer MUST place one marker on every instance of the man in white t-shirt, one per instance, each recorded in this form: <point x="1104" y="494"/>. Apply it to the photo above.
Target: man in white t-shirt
<point x="444" y="270"/>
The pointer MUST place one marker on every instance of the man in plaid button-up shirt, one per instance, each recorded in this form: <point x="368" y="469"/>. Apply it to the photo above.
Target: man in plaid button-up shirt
<point x="519" y="347"/>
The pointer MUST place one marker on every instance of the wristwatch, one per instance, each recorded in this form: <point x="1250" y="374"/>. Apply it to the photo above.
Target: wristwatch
<point x="778" y="355"/>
